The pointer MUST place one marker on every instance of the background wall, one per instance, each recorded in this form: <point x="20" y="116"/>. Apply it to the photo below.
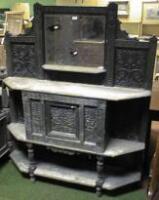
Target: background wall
<point x="10" y="3"/>
<point x="134" y="15"/>
<point x="135" y="9"/>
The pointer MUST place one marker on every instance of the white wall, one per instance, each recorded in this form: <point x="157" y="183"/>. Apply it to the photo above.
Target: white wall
<point x="135" y="8"/>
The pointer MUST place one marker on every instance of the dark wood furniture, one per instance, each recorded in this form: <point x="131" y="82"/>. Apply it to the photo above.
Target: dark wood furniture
<point x="79" y="98"/>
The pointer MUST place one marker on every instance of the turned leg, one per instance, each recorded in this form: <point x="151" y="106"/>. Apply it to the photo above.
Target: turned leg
<point x="32" y="164"/>
<point x="100" y="180"/>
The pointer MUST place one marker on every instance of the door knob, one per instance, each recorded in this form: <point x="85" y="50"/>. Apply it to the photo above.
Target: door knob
<point x="54" y="27"/>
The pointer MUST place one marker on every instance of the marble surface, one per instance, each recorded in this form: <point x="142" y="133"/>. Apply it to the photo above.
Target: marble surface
<point x="116" y="147"/>
<point x="75" y="89"/>
<point x="75" y="176"/>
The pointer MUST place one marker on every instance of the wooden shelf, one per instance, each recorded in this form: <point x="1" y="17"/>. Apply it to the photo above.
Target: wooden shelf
<point x="116" y="147"/>
<point x="75" y="89"/>
<point x="75" y="69"/>
<point x="75" y="176"/>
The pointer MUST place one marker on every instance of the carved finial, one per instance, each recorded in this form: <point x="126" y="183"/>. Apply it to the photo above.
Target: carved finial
<point x="37" y="7"/>
<point x="153" y="39"/>
<point x="113" y="6"/>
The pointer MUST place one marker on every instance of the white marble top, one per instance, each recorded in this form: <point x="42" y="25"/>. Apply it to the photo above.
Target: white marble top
<point x="75" y="89"/>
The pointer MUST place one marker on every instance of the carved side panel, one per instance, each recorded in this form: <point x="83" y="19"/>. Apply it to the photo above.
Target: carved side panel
<point x="90" y="118"/>
<point x="130" y="67"/>
<point x="36" y="116"/>
<point x="23" y="60"/>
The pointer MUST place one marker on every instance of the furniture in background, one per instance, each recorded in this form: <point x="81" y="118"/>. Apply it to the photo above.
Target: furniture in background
<point x="22" y="7"/>
<point x="79" y="98"/>
<point x="2" y="61"/>
<point x="25" y="8"/>
<point x="14" y="22"/>
<point x="2" y="21"/>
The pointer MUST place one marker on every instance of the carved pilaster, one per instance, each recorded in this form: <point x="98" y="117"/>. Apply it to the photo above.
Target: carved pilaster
<point x="100" y="172"/>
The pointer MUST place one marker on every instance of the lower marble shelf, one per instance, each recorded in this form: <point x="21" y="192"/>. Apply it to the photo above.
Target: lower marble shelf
<point x="75" y="176"/>
<point x="116" y="147"/>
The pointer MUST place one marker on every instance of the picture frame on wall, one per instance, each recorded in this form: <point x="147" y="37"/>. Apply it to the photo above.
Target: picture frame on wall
<point x="150" y="13"/>
<point x="153" y="13"/>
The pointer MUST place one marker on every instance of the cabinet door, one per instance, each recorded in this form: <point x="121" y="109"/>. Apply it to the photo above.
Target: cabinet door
<point x="64" y="121"/>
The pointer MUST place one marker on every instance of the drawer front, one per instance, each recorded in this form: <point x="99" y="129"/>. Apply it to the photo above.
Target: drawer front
<point x="65" y="121"/>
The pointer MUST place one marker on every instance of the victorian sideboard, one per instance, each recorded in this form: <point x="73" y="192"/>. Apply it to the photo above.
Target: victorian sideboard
<point x="79" y="98"/>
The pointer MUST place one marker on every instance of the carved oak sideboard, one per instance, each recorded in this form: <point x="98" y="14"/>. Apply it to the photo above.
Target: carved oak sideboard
<point x="79" y="98"/>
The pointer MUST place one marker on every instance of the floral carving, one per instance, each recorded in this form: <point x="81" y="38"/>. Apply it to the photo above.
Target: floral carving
<point x="23" y="60"/>
<point x="130" y="68"/>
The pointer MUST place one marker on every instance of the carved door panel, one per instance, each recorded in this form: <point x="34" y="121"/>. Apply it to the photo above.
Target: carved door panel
<point x="65" y="121"/>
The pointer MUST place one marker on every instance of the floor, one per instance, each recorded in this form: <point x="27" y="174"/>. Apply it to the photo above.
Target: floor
<point x="14" y="186"/>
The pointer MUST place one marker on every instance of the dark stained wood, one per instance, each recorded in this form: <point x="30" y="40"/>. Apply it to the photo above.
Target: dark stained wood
<point x="81" y="125"/>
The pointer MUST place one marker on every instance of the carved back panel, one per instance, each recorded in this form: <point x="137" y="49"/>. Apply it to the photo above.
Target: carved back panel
<point x="21" y="59"/>
<point x="133" y="63"/>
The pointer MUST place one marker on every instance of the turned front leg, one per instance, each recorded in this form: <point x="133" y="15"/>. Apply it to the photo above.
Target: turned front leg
<point x="100" y="173"/>
<point x="32" y="164"/>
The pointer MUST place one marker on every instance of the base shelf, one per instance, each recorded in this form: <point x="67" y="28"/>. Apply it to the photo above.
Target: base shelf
<point x="116" y="147"/>
<point x="75" y="176"/>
